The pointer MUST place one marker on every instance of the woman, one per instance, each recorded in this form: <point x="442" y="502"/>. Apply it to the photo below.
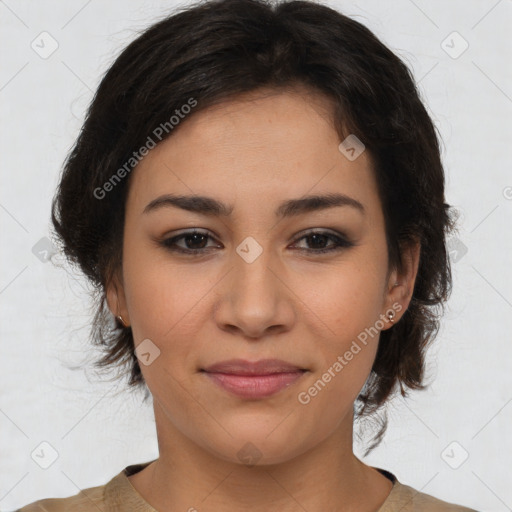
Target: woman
<point x="258" y="195"/>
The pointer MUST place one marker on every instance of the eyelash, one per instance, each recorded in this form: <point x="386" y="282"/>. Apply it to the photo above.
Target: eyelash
<point x="340" y="243"/>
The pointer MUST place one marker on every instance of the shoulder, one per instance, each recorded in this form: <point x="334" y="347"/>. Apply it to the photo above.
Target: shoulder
<point x="116" y="494"/>
<point x="85" y="501"/>
<point x="118" y="490"/>
<point x="411" y="500"/>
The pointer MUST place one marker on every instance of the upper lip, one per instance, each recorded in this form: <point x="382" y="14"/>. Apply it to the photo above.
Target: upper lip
<point x="261" y="367"/>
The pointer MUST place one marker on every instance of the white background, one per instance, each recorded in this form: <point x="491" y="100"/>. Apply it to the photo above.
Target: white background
<point x="96" y="427"/>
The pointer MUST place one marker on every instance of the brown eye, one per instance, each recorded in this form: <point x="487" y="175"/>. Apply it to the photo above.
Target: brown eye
<point x="318" y="240"/>
<point x="194" y="241"/>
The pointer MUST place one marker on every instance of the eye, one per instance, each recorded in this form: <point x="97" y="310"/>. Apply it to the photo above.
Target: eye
<point x="196" y="242"/>
<point x="317" y="238"/>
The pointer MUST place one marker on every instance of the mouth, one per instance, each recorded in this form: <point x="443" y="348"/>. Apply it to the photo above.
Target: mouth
<point x="253" y="380"/>
<point x="261" y="367"/>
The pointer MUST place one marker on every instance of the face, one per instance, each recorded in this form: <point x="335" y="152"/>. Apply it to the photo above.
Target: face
<point x="305" y="283"/>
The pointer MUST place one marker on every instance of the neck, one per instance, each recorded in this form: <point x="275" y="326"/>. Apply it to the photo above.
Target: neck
<point x="187" y="477"/>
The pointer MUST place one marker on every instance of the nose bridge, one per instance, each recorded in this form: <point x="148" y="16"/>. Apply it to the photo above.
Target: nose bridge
<point x="253" y="273"/>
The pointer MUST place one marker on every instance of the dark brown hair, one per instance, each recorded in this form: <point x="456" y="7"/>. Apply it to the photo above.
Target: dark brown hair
<point x="213" y="51"/>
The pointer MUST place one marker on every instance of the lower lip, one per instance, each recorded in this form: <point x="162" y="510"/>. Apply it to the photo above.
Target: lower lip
<point x="254" y="386"/>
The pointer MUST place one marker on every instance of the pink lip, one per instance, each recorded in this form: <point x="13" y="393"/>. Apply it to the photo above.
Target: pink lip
<point x="257" y="379"/>
<point x="259" y="386"/>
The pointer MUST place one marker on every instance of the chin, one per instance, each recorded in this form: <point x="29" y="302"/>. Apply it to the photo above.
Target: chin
<point x="257" y="447"/>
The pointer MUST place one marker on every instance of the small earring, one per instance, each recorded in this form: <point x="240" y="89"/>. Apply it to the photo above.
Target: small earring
<point x="391" y="316"/>
<point x="120" y="318"/>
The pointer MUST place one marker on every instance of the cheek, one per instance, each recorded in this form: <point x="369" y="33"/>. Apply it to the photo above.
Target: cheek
<point x="167" y="301"/>
<point x="342" y="312"/>
<point x="156" y="294"/>
<point x="344" y="299"/>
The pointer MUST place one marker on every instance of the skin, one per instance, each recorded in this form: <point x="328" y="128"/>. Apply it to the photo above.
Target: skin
<point x="252" y="153"/>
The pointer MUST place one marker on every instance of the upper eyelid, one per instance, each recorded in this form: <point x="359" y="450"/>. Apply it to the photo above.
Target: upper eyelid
<point x="200" y="231"/>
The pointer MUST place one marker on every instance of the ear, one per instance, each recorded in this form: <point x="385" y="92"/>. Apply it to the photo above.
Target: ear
<point x="400" y="285"/>
<point x="116" y="299"/>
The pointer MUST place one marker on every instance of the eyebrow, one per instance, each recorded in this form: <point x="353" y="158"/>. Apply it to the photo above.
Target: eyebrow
<point x="292" y="207"/>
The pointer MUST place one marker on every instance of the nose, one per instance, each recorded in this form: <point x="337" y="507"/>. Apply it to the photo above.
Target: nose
<point x="254" y="299"/>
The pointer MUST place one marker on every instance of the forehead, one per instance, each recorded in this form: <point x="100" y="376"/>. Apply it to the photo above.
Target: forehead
<point x="259" y="146"/>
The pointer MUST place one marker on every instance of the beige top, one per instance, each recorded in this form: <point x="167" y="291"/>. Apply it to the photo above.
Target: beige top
<point x="119" y="495"/>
